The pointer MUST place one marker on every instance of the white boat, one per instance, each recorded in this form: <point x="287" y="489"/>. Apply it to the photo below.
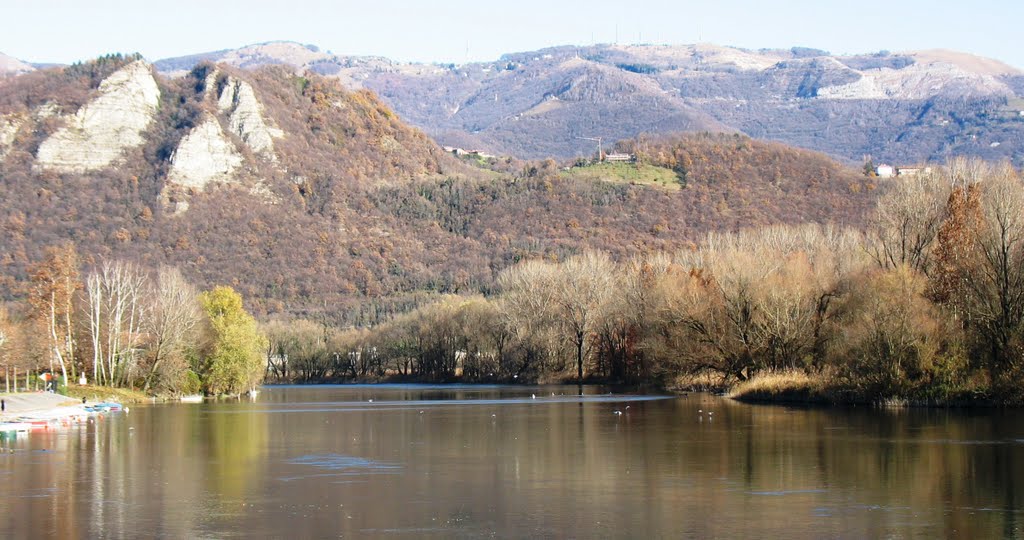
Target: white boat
<point x="193" y="398"/>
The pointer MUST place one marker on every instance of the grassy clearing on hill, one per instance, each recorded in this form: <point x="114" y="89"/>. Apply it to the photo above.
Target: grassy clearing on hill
<point x="628" y="173"/>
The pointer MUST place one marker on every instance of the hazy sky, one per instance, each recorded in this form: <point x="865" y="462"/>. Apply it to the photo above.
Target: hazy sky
<point x="457" y="30"/>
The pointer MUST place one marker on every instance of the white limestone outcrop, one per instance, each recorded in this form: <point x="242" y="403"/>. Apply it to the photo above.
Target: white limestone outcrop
<point x="9" y="127"/>
<point x="107" y="125"/>
<point x="245" y="119"/>
<point x="203" y="156"/>
<point x="919" y="81"/>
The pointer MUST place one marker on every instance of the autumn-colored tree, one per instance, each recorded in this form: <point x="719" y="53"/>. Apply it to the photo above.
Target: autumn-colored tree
<point x="233" y="357"/>
<point x="891" y="337"/>
<point x="979" y="271"/>
<point x="955" y="246"/>
<point x="54" y="282"/>
<point x="11" y="344"/>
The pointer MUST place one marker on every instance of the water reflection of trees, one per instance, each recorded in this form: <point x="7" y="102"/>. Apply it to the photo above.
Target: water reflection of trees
<point x="544" y="468"/>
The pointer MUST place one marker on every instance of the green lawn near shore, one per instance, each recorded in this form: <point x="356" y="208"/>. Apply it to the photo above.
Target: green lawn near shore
<point x="96" y="394"/>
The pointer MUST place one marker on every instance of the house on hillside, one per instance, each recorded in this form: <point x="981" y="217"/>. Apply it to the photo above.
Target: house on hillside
<point x="885" y="171"/>
<point x="455" y="150"/>
<point x="620" y="158"/>
<point x="912" y="170"/>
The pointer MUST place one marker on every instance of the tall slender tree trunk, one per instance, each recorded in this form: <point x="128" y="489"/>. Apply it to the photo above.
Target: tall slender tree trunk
<point x="56" y="340"/>
<point x="579" y="356"/>
<point x="70" y="336"/>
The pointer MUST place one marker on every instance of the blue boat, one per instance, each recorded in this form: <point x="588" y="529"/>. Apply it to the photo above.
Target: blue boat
<point x="103" y="407"/>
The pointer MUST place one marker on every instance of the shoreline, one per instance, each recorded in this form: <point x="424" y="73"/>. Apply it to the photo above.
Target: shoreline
<point x="39" y="407"/>
<point x="799" y="388"/>
<point x="785" y="388"/>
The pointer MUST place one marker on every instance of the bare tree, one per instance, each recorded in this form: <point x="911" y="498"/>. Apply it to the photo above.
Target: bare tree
<point x="891" y="336"/>
<point x="996" y="290"/>
<point x="584" y="287"/>
<point x="116" y="315"/>
<point x="906" y="223"/>
<point x="528" y="297"/>
<point x="51" y="295"/>
<point x="171" y="325"/>
<point x="626" y="321"/>
<point x="757" y="299"/>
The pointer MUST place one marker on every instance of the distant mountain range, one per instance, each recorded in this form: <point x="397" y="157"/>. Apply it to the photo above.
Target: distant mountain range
<point x="901" y="108"/>
<point x="896" y="107"/>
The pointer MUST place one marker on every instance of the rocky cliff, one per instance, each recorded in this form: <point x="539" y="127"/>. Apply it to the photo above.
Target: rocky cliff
<point x="245" y="117"/>
<point x="113" y="121"/>
<point x="203" y="156"/>
<point x="9" y="127"/>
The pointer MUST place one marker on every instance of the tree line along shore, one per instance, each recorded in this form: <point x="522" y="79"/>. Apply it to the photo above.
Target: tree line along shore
<point x="923" y="305"/>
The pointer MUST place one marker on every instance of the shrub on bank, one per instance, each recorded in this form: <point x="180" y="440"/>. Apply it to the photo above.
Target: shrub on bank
<point x="787" y="385"/>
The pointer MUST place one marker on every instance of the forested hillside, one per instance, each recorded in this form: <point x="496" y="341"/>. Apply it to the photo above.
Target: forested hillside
<point x="325" y="202"/>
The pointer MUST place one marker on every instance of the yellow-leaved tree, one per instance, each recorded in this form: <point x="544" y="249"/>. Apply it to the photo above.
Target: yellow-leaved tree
<point x="233" y="356"/>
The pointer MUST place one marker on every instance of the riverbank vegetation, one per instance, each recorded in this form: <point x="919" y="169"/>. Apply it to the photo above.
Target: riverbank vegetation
<point x="127" y="331"/>
<point x="923" y="305"/>
<point x="98" y="394"/>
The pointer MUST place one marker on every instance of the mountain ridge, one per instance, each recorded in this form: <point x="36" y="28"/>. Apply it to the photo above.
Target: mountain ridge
<point x="909" y="107"/>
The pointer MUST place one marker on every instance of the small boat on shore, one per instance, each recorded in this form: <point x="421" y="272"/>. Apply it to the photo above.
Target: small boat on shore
<point x="103" y="407"/>
<point x="193" y="398"/>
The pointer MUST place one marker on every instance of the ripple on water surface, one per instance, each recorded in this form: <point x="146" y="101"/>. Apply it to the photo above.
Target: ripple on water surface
<point x="340" y="465"/>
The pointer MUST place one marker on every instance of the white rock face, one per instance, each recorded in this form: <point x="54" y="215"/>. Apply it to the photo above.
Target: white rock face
<point x="47" y="110"/>
<point x="246" y="117"/>
<point x="919" y="81"/>
<point x="210" y="82"/>
<point x="9" y="127"/>
<point x="864" y="88"/>
<point x="102" y="129"/>
<point x="203" y="156"/>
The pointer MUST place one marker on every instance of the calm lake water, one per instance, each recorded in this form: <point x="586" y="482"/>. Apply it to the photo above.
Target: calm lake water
<point x="483" y="462"/>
